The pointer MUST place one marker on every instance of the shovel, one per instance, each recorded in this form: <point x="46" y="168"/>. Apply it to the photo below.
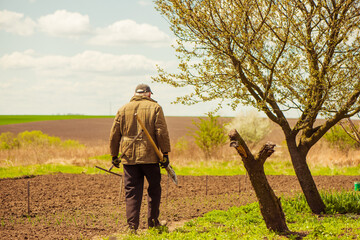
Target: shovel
<point x="169" y="169"/>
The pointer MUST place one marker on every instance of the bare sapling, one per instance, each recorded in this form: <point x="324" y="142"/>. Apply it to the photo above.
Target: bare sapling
<point x="270" y="205"/>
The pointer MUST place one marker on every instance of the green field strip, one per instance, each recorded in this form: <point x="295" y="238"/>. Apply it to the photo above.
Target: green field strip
<point x="14" y="119"/>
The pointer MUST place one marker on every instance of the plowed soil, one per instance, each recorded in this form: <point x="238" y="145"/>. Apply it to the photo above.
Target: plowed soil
<point x="93" y="131"/>
<point x="66" y="206"/>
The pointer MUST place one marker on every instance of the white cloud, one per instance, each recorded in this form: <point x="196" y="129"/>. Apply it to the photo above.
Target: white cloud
<point x="14" y="22"/>
<point x="87" y="61"/>
<point x="129" y="32"/>
<point x="65" y="24"/>
<point x="17" y="60"/>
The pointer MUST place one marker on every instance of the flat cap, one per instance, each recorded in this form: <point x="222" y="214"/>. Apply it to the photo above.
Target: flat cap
<point x="142" y="88"/>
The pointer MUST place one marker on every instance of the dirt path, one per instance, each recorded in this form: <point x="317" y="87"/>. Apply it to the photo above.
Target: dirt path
<point x="83" y="206"/>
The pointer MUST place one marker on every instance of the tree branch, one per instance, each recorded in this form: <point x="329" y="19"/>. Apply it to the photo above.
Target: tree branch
<point x="237" y="142"/>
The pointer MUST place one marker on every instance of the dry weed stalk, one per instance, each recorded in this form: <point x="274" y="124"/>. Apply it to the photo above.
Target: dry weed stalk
<point x="324" y="155"/>
<point x="321" y="155"/>
<point x="53" y="154"/>
<point x="192" y="153"/>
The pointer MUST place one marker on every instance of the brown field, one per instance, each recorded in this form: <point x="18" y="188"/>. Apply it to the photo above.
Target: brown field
<point x="92" y="131"/>
<point x="66" y="206"/>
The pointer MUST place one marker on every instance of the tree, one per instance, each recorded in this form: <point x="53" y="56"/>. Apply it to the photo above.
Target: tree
<point x="251" y="126"/>
<point x="209" y="135"/>
<point x="274" y="56"/>
<point x="270" y="205"/>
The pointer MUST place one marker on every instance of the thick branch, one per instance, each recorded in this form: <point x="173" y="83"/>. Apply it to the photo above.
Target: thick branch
<point x="265" y="152"/>
<point x="239" y="144"/>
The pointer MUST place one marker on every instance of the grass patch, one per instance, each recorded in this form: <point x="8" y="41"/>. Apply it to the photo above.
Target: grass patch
<point x="105" y="157"/>
<point x="44" y="169"/>
<point x="349" y="171"/>
<point x="13" y="119"/>
<point x="245" y="222"/>
<point x="275" y="166"/>
<point x="36" y="148"/>
<point x="195" y="169"/>
<point x="201" y="168"/>
<point x="231" y="168"/>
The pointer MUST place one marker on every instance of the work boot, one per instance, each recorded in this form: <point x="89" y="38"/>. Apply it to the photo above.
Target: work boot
<point x="160" y="227"/>
<point x="153" y="223"/>
<point x="130" y="230"/>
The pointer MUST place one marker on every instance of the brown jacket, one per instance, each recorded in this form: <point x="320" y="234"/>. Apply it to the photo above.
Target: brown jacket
<point x="126" y="127"/>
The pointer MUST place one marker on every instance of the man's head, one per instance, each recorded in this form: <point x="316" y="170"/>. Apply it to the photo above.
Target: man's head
<point x="143" y="89"/>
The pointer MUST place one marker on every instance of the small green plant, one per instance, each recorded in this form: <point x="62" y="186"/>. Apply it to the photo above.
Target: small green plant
<point x="74" y="220"/>
<point x="342" y="202"/>
<point x="336" y="202"/>
<point x="296" y="204"/>
<point x="209" y="135"/>
<point x="338" y="137"/>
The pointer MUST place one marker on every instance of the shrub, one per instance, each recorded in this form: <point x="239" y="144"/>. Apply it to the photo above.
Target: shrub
<point x="251" y="126"/>
<point x="33" y="138"/>
<point x="337" y="137"/>
<point x="71" y="143"/>
<point x="182" y="145"/>
<point x="37" y="138"/>
<point x="209" y="135"/>
<point x="8" y="141"/>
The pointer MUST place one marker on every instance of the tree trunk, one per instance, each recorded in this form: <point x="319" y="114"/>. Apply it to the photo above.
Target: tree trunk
<point x="305" y="178"/>
<point x="270" y="205"/>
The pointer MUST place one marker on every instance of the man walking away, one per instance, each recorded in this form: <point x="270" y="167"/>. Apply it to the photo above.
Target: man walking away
<point x="140" y="160"/>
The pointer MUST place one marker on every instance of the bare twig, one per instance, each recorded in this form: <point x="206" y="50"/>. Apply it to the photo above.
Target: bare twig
<point x="355" y="135"/>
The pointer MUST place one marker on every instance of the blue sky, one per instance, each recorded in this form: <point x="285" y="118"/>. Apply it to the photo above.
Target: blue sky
<point x="85" y="57"/>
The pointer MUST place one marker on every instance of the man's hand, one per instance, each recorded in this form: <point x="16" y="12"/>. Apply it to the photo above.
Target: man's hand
<point x="165" y="162"/>
<point x="116" y="161"/>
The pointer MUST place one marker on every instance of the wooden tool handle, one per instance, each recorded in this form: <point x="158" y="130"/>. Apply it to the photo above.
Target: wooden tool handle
<point x="149" y="137"/>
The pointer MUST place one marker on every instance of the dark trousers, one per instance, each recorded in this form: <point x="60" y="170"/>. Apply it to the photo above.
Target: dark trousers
<point x="134" y="186"/>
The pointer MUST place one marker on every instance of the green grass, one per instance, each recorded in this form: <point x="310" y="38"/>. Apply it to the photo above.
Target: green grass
<point x="195" y="169"/>
<point x="226" y="168"/>
<point x="245" y="222"/>
<point x="349" y="171"/>
<point x="44" y="169"/>
<point x="12" y="119"/>
<point x="231" y="168"/>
